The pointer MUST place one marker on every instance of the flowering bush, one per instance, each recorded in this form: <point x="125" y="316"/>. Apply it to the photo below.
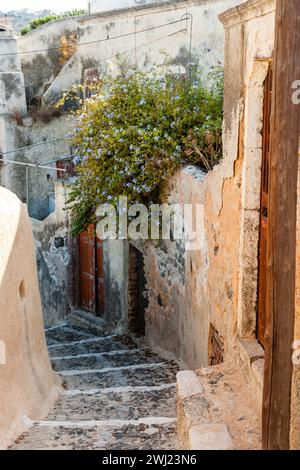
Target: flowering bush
<point x="135" y="132"/>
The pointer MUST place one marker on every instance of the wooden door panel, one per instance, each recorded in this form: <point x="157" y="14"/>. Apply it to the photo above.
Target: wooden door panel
<point x="87" y="292"/>
<point x="261" y="323"/>
<point x="264" y="213"/>
<point x="87" y="257"/>
<point x="92" y="292"/>
<point x="87" y="270"/>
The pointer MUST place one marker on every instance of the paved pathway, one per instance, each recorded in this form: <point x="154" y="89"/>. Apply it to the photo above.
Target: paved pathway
<point x="116" y="396"/>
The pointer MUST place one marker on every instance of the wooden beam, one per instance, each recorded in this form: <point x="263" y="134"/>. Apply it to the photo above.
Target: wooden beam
<point x="285" y="130"/>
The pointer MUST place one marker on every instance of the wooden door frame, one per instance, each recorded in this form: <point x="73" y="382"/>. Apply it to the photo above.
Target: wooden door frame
<point x="264" y="209"/>
<point x="285" y="127"/>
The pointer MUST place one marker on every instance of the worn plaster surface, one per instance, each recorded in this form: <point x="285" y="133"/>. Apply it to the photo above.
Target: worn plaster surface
<point x="54" y="251"/>
<point x="28" y="386"/>
<point x="217" y="285"/>
<point x="46" y="77"/>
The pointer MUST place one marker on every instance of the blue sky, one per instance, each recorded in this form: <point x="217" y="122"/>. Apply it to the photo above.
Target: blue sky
<point x="55" y="5"/>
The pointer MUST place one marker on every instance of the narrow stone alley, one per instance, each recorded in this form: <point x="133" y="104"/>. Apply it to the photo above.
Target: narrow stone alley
<point x="117" y="396"/>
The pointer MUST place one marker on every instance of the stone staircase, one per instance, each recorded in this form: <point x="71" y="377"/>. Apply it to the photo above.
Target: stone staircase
<point x="116" y="396"/>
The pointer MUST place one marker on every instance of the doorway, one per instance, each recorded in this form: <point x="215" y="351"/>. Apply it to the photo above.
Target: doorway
<point x="91" y="278"/>
<point x="137" y="292"/>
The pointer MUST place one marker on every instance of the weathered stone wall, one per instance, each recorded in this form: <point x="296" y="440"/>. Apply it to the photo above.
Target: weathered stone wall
<point x="11" y="78"/>
<point x="28" y="386"/>
<point x="115" y="258"/>
<point x="40" y="181"/>
<point x="226" y="274"/>
<point x="216" y="287"/>
<point x="219" y="283"/>
<point x="19" y="130"/>
<point x="36" y="186"/>
<point x="189" y="290"/>
<point x="40" y="68"/>
<point x="12" y="107"/>
<point x="144" y="49"/>
<point x="47" y="77"/>
<point x="54" y="252"/>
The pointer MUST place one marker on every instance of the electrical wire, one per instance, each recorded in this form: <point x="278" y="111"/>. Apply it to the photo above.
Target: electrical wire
<point x="45" y="142"/>
<point x="96" y="41"/>
<point x="32" y="165"/>
<point x="70" y="137"/>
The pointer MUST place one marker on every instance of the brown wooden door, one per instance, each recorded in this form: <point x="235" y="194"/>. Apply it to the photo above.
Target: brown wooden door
<point x="65" y="165"/>
<point x="91" y="272"/>
<point x="264" y="211"/>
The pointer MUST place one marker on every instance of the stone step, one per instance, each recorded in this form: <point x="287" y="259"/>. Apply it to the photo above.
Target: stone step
<point x="144" y="434"/>
<point x="103" y="360"/>
<point x="89" y="331"/>
<point x="138" y="375"/>
<point x="65" y="334"/>
<point x="126" y="405"/>
<point x="87" y="321"/>
<point x="91" y="345"/>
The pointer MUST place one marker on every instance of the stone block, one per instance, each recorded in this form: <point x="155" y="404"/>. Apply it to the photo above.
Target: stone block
<point x="258" y="368"/>
<point x="251" y="350"/>
<point x="188" y="384"/>
<point x="210" y="437"/>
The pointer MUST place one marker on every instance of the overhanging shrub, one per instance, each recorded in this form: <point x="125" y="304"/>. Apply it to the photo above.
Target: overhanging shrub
<point x="136" y="131"/>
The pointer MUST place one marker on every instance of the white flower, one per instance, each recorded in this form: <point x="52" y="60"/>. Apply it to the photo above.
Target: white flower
<point x="77" y="160"/>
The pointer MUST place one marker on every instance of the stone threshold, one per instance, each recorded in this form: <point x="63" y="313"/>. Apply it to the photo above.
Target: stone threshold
<point x="215" y="410"/>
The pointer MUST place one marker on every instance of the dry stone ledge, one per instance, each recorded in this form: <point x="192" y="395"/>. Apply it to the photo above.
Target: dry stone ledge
<point x="215" y="410"/>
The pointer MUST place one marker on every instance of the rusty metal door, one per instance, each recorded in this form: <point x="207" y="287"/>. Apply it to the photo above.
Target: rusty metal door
<point x="91" y="272"/>
<point x="264" y="211"/>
